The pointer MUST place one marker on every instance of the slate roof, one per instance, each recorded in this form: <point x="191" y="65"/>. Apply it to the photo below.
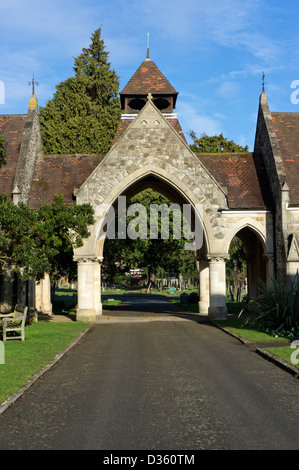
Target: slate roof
<point x="286" y="127"/>
<point x="12" y="128"/>
<point x="148" y="79"/>
<point x="60" y="174"/>
<point x="244" y="177"/>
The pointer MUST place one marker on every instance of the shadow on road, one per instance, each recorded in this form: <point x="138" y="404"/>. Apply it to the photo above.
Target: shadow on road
<point x="150" y="306"/>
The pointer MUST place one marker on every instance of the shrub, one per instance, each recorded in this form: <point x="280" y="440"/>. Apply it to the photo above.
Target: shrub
<point x="193" y="298"/>
<point x="277" y="308"/>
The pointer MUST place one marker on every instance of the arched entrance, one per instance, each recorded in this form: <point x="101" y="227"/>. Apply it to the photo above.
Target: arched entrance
<point x="259" y="262"/>
<point x="150" y="153"/>
<point x="90" y="257"/>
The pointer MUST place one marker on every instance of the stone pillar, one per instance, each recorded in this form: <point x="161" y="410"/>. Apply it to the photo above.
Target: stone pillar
<point x="43" y="302"/>
<point x="89" y="289"/>
<point x="204" y="288"/>
<point x="217" y="273"/>
<point x="98" y="286"/>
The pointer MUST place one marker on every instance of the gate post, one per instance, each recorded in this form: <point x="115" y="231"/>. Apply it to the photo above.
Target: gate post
<point x="217" y="271"/>
<point x="89" y="293"/>
<point x="204" y="290"/>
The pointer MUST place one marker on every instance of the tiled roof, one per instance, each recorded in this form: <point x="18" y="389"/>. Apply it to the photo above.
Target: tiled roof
<point x="286" y="127"/>
<point x="244" y="177"/>
<point x="60" y="174"/>
<point x="12" y="128"/>
<point x="148" y="79"/>
<point x="124" y="124"/>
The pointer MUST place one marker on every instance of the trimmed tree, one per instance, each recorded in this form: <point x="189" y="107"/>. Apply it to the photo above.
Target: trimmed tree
<point x="39" y="242"/>
<point x="84" y="113"/>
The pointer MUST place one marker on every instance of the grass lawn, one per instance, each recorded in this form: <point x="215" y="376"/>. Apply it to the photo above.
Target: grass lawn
<point x="285" y="353"/>
<point x="24" y="358"/>
<point x="236" y="326"/>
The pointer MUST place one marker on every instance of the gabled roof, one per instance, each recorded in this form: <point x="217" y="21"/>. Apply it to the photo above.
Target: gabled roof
<point x="244" y="177"/>
<point x="12" y="128"/>
<point x="286" y="127"/>
<point x="60" y="174"/>
<point x="125" y="122"/>
<point x="148" y="79"/>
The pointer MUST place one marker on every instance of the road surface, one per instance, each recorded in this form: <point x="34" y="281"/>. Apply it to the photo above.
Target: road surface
<point x="149" y="377"/>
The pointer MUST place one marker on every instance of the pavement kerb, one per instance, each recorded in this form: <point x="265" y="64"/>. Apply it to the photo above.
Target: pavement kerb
<point x="279" y="362"/>
<point x="265" y="354"/>
<point x="244" y="341"/>
<point x="7" y="403"/>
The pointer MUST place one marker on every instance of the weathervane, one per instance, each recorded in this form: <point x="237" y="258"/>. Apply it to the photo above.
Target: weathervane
<point x="263" y="78"/>
<point x="147" y="51"/>
<point x="33" y="83"/>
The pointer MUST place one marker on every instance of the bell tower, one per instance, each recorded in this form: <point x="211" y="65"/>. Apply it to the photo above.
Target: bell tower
<point x="148" y="79"/>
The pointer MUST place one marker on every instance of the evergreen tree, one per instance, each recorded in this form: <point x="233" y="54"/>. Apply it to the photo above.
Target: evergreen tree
<point x="215" y="144"/>
<point x="83" y="115"/>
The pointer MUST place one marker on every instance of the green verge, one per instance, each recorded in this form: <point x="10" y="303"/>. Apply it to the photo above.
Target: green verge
<point x="23" y="359"/>
<point x="238" y="327"/>
<point x="284" y="353"/>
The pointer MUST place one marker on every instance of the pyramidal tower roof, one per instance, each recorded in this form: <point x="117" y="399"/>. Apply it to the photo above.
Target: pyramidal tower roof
<point x="148" y="79"/>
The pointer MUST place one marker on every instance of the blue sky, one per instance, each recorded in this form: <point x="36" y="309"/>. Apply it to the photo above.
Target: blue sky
<point x="212" y="52"/>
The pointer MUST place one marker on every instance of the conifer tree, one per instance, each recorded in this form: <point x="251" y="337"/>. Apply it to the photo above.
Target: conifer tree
<point x="83" y="115"/>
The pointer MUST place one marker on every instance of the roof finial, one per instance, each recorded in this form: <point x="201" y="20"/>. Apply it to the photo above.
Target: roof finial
<point x="33" y="83"/>
<point x="263" y="78"/>
<point x="147" y="51"/>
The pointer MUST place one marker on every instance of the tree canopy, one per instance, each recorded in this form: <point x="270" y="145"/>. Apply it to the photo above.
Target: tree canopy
<point x="154" y="256"/>
<point x="3" y="160"/>
<point x="83" y="115"/>
<point x="39" y="242"/>
<point x="215" y="144"/>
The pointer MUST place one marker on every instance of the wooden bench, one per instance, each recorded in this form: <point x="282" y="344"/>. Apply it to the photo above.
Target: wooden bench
<point x="14" y="322"/>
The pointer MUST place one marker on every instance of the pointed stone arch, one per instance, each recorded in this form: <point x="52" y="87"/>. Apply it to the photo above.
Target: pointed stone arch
<point x="149" y="148"/>
<point x="258" y="245"/>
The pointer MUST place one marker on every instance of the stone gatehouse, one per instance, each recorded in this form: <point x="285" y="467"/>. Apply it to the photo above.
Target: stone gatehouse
<point x="252" y="195"/>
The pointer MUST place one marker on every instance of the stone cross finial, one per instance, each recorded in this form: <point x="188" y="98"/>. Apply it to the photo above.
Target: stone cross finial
<point x="149" y="97"/>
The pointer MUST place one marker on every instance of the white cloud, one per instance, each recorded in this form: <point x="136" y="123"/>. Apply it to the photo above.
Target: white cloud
<point x="229" y="90"/>
<point x="191" y="119"/>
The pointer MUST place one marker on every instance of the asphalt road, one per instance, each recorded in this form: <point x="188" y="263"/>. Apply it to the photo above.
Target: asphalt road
<point x="150" y="378"/>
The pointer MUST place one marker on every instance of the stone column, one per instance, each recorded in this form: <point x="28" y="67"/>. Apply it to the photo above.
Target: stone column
<point x="43" y="302"/>
<point x="217" y="309"/>
<point x="204" y="288"/>
<point x="89" y="289"/>
<point x="98" y="286"/>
